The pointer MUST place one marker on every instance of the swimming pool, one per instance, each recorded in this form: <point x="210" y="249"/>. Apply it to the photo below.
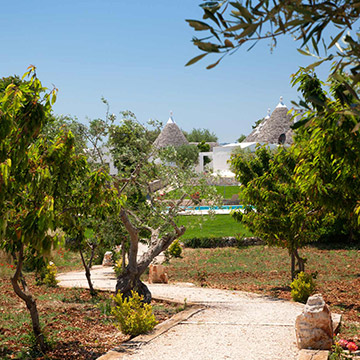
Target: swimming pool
<point x="224" y="207"/>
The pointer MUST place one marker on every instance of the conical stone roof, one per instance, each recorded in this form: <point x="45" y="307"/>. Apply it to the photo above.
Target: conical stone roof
<point x="273" y="127"/>
<point x="171" y="135"/>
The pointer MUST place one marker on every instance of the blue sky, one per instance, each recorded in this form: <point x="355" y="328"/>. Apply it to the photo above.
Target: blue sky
<point x="133" y="53"/>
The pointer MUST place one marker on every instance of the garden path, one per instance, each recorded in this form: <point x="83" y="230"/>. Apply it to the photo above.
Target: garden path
<point x="233" y="324"/>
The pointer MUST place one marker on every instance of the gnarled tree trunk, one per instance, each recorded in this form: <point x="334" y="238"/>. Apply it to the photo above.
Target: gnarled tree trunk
<point x="130" y="279"/>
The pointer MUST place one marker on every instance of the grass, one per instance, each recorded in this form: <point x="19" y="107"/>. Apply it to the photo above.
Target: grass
<point x="198" y="226"/>
<point x="226" y="191"/>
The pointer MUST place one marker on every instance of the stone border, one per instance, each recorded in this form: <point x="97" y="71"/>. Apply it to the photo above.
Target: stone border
<point x="135" y="343"/>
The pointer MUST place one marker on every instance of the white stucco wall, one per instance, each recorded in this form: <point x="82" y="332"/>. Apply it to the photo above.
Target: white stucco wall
<point x="222" y="154"/>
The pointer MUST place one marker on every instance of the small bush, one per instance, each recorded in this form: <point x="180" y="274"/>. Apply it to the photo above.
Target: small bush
<point x="133" y="316"/>
<point x="175" y="249"/>
<point x="50" y="275"/>
<point x="302" y="287"/>
<point x="118" y="267"/>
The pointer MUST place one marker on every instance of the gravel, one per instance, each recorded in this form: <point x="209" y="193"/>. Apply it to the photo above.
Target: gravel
<point x="234" y="324"/>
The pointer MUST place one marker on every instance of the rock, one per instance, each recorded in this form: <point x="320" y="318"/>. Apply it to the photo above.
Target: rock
<point x="314" y="328"/>
<point x="157" y="274"/>
<point x="107" y="260"/>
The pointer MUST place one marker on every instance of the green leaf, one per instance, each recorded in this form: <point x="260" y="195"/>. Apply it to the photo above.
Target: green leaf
<point x="195" y="59"/>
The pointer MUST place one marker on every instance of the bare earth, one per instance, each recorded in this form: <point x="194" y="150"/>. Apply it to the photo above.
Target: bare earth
<point x="234" y="324"/>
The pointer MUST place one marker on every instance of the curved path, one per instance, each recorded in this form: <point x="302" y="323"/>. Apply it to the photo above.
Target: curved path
<point x="232" y="325"/>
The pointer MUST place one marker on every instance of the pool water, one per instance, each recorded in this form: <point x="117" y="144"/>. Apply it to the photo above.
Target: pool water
<point x="225" y="207"/>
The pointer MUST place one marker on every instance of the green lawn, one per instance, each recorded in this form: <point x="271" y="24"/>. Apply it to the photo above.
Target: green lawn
<point x="198" y="226"/>
<point x="229" y="191"/>
<point x="226" y="191"/>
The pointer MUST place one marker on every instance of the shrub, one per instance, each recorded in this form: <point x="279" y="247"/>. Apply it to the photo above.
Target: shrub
<point x="133" y="316"/>
<point x="175" y="249"/>
<point x="118" y="267"/>
<point x="302" y="287"/>
<point x="50" y="275"/>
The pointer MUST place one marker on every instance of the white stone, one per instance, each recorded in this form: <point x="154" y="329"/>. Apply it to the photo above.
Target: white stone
<point x="314" y="328"/>
<point x="107" y="260"/>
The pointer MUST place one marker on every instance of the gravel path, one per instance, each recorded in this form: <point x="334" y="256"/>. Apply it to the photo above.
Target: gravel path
<point x="234" y="324"/>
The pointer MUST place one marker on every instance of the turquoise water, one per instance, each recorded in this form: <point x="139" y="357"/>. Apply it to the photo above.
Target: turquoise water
<point x="225" y="207"/>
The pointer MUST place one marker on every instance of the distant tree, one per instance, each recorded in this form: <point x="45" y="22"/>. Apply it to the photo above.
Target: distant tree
<point x="276" y="209"/>
<point x="185" y="156"/>
<point x="147" y="216"/>
<point x="257" y="123"/>
<point x="204" y="147"/>
<point x="199" y="135"/>
<point x="241" y="138"/>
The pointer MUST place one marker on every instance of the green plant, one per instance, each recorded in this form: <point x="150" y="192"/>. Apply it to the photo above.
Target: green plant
<point x="337" y="352"/>
<point x="175" y="249"/>
<point x="182" y="307"/>
<point x="132" y="315"/>
<point x="118" y="267"/>
<point x="50" y="275"/>
<point x="105" y="307"/>
<point x="302" y="287"/>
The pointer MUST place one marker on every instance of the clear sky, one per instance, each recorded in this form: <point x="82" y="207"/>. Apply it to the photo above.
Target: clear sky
<point x="133" y="53"/>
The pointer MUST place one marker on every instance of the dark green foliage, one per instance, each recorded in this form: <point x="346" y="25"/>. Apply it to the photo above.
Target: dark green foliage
<point x="241" y="138"/>
<point x="329" y="152"/>
<point x="257" y="123"/>
<point x="275" y="208"/>
<point x="199" y="135"/>
<point x="186" y="155"/>
<point x="205" y="242"/>
<point x="203" y="146"/>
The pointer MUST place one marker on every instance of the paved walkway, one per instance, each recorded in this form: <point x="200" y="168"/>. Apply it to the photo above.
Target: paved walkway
<point x="233" y="325"/>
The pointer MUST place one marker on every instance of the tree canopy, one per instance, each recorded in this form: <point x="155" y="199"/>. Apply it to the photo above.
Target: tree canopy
<point x="199" y="135"/>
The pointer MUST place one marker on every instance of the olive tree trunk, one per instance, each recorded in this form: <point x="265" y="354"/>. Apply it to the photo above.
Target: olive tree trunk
<point x="129" y="280"/>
